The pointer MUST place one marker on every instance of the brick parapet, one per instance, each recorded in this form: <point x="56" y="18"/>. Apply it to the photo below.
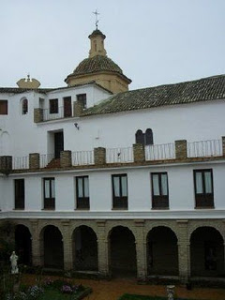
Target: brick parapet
<point x="6" y="163"/>
<point x="223" y="145"/>
<point x="34" y="161"/>
<point x="139" y="153"/>
<point x="65" y="159"/>
<point x="38" y="115"/>
<point x="77" y="109"/>
<point x="181" y="149"/>
<point x="99" y="156"/>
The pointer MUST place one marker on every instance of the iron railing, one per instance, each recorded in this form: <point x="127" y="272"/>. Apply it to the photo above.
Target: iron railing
<point x="205" y="148"/>
<point x="53" y="116"/>
<point x="19" y="163"/>
<point x="160" y="152"/>
<point x="119" y="155"/>
<point x="80" y="158"/>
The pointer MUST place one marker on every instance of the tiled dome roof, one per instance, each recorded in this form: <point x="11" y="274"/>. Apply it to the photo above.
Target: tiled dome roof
<point x="95" y="64"/>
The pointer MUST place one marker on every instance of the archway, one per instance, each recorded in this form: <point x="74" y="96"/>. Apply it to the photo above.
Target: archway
<point x="122" y="252"/>
<point x="162" y="252"/>
<point x="85" y="249"/>
<point x="23" y="245"/>
<point x="53" y="247"/>
<point x="207" y="252"/>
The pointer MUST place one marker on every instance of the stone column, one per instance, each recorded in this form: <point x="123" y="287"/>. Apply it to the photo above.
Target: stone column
<point x="67" y="246"/>
<point x="184" y="251"/>
<point x="223" y="145"/>
<point x="99" y="156"/>
<point x="37" y="245"/>
<point x="139" y="153"/>
<point x="65" y="159"/>
<point x="103" y="251"/>
<point x="34" y="161"/>
<point x="181" y="149"/>
<point x="141" y="251"/>
<point x="38" y="115"/>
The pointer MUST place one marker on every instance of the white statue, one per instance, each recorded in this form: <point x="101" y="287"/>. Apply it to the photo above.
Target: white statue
<point x="13" y="259"/>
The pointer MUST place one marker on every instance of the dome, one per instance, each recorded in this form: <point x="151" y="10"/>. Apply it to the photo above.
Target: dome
<point x="96" y="64"/>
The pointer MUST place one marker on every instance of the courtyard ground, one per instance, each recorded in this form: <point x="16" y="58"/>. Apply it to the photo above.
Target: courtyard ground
<point x="113" y="289"/>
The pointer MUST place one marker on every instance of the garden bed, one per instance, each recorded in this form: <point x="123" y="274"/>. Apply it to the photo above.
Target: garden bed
<point x="47" y="290"/>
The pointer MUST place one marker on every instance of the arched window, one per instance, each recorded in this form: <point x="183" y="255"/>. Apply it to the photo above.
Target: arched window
<point x="148" y="137"/>
<point x="139" y="136"/>
<point x="24" y="106"/>
<point x="144" y="138"/>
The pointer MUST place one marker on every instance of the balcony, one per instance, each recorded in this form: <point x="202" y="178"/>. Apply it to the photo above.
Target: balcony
<point x="179" y="151"/>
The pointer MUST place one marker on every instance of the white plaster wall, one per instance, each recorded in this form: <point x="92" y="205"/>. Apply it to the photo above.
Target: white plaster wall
<point x="181" y="190"/>
<point x="193" y="122"/>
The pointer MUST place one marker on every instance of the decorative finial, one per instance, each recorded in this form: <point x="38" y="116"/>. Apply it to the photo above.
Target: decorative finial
<point x="28" y="77"/>
<point x="96" y="13"/>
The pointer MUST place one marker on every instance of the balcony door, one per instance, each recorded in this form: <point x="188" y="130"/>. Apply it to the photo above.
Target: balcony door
<point x="67" y="107"/>
<point x="59" y="143"/>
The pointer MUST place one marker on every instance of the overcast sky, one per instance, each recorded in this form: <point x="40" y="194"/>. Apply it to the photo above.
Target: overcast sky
<point x="154" y="41"/>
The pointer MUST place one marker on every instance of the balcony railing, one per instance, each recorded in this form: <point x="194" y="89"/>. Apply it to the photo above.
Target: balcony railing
<point x="119" y="155"/>
<point x="59" y="115"/>
<point x="205" y="148"/>
<point x="20" y="163"/>
<point x="160" y="152"/>
<point x="180" y="150"/>
<point x="80" y="158"/>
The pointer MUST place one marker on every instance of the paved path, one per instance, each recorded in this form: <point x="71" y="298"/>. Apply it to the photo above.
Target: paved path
<point x="112" y="290"/>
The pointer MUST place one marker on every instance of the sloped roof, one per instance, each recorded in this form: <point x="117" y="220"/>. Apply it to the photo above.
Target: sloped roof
<point x="206" y="89"/>
<point x="17" y="90"/>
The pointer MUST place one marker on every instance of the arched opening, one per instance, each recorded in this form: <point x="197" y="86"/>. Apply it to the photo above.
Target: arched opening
<point x="23" y="246"/>
<point x="139" y="137"/>
<point x="122" y="252"/>
<point x="162" y="252"/>
<point x="207" y="252"/>
<point x="53" y="247"/>
<point x="24" y="106"/>
<point x="148" y="137"/>
<point x="85" y="249"/>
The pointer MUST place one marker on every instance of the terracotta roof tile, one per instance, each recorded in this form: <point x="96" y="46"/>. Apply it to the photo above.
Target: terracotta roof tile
<point x="206" y="89"/>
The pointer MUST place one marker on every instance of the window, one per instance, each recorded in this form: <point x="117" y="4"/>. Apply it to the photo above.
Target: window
<point x="120" y="191"/>
<point x="3" y="107"/>
<point x="24" y="106"/>
<point x="19" y="193"/>
<point x="49" y="193"/>
<point x="203" y="183"/>
<point x="53" y="106"/>
<point x="144" y="138"/>
<point x="160" y="194"/>
<point x="82" y="100"/>
<point x="82" y="192"/>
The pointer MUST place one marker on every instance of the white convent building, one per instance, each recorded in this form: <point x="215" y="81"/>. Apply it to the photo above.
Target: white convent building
<point x="108" y="181"/>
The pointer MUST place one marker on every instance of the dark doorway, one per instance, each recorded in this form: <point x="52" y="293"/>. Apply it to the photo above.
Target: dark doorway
<point x="162" y="252"/>
<point x="53" y="248"/>
<point x="122" y="252"/>
<point x="67" y="107"/>
<point x="85" y="249"/>
<point x="23" y="245"/>
<point x="207" y="252"/>
<point x="59" y="143"/>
